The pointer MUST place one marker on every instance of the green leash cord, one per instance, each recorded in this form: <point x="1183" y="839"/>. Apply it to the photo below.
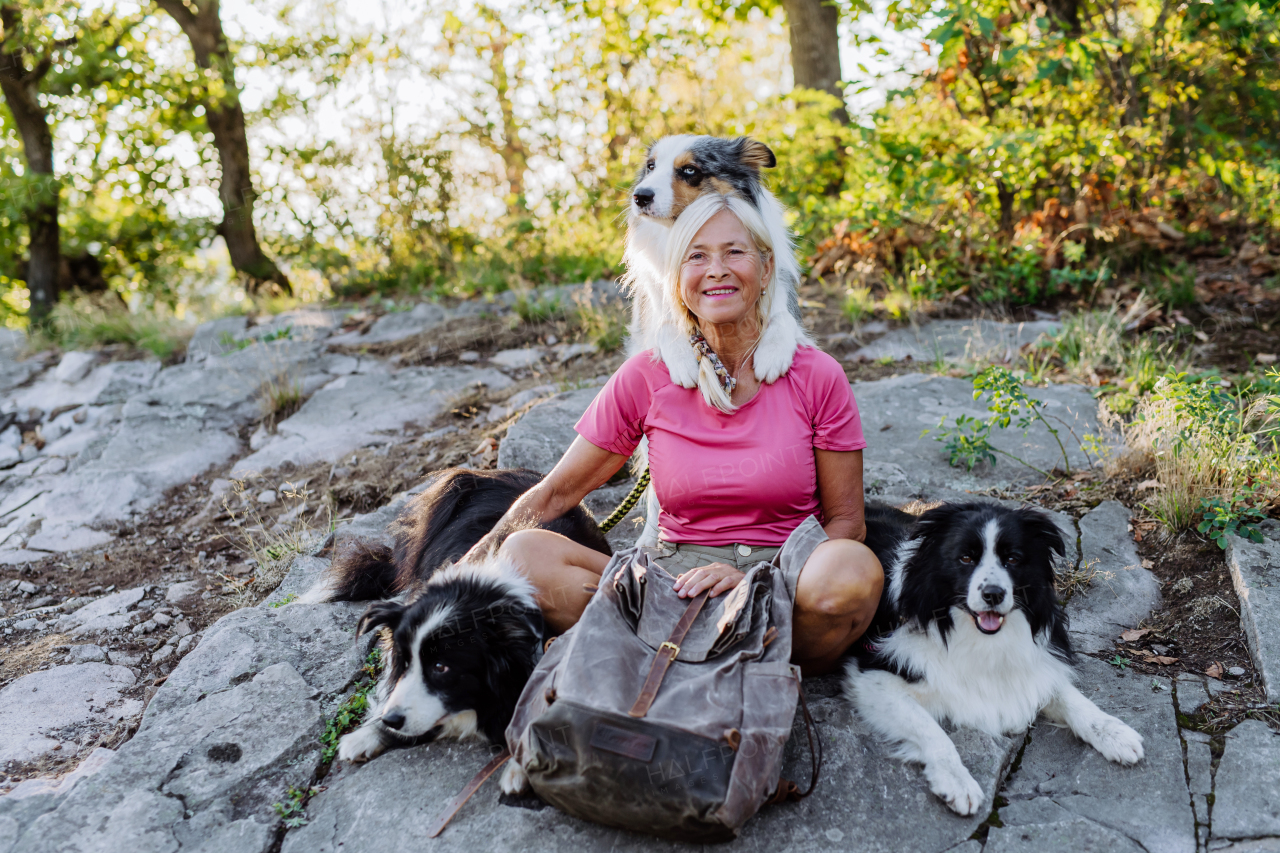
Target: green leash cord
<point x="628" y="503"/>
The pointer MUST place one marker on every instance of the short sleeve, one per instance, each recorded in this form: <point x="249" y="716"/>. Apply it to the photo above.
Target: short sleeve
<point x="615" y="419"/>
<point x="836" y="422"/>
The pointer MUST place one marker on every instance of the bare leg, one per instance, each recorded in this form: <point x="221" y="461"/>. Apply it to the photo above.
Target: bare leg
<point x="836" y="599"/>
<point x="564" y="573"/>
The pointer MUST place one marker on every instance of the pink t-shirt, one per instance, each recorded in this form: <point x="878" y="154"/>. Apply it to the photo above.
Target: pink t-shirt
<point x="747" y="477"/>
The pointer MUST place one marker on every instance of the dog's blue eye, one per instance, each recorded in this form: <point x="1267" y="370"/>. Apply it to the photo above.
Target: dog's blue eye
<point x="689" y="170"/>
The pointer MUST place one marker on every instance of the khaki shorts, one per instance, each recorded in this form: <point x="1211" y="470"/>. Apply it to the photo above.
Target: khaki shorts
<point x="678" y="558"/>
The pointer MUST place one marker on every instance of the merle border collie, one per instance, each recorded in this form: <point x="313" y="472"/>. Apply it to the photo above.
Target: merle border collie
<point x="458" y="641"/>
<point x="676" y="171"/>
<point x="969" y="630"/>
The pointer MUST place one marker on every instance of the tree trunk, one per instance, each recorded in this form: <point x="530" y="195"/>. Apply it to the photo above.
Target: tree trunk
<point x="815" y="47"/>
<point x="1006" y="198"/>
<point x="225" y="117"/>
<point x="21" y="88"/>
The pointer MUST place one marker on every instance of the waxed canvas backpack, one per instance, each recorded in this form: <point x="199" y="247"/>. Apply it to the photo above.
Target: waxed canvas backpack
<point x="667" y="715"/>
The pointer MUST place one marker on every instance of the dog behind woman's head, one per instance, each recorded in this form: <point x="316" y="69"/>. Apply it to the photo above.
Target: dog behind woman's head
<point x="456" y="656"/>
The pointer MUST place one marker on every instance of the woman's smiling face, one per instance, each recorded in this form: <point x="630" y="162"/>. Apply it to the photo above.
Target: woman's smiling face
<point x="722" y="271"/>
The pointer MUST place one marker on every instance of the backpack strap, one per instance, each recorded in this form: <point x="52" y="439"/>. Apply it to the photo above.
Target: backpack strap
<point x="789" y="791"/>
<point x="465" y="794"/>
<point x="666" y="654"/>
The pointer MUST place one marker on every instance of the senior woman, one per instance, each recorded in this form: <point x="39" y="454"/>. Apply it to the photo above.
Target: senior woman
<point x="736" y="465"/>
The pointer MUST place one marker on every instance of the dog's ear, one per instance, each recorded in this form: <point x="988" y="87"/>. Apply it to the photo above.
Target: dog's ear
<point x="380" y="613"/>
<point x="755" y="154"/>
<point x="1042" y="529"/>
<point x="936" y="519"/>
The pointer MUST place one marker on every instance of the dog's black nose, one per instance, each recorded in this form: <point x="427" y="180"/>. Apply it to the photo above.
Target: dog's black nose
<point x="643" y="197"/>
<point x="393" y="720"/>
<point x="991" y="594"/>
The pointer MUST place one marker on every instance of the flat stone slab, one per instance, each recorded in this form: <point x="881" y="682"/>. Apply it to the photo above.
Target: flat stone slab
<point x="957" y="340"/>
<point x="36" y="707"/>
<point x="354" y="411"/>
<point x="1255" y="572"/>
<point x="1247" y="785"/>
<point x="866" y="801"/>
<point x="1121" y="593"/>
<point x="202" y="779"/>
<point x="544" y="433"/>
<point x="1146" y="803"/>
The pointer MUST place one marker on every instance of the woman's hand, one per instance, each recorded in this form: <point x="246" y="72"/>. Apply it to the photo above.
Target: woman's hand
<point x="717" y="577"/>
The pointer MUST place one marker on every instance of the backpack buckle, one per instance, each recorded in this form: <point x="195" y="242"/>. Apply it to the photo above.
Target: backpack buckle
<point x="675" y="650"/>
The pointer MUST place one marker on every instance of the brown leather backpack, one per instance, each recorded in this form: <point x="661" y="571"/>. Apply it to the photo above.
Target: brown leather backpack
<point x="667" y="715"/>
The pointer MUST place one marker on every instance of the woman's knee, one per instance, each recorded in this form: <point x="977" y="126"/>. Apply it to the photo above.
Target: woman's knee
<point x="841" y="578"/>
<point x="524" y="547"/>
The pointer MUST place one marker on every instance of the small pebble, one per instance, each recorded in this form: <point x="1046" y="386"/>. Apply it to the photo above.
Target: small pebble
<point x="1236" y="672"/>
<point x="469" y="356"/>
<point x="267" y="497"/>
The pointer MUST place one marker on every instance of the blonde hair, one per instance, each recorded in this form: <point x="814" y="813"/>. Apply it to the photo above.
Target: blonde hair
<point x="686" y="227"/>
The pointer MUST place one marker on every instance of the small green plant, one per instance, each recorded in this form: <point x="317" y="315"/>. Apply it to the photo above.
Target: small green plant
<point x="1232" y="516"/>
<point x="293" y="811"/>
<point x="1175" y="286"/>
<point x="228" y="342"/>
<point x="284" y="333"/>
<point x="538" y="310"/>
<point x="288" y="599"/>
<point x="604" y="326"/>
<point x="858" y="304"/>
<point x="1119" y="662"/>
<point x="968" y="441"/>
<point x="351" y="712"/>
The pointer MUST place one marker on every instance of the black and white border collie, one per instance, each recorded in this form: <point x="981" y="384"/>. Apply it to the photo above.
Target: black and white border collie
<point x="455" y="659"/>
<point x="459" y="641"/>
<point x="677" y="170"/>
<point x="969" y="630"/>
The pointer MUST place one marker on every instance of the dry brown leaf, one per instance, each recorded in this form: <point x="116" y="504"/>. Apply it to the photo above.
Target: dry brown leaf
<point x="1214" y="671"/>
<point x="1147" y="564"/>
<point x="1161" y="660"/>
<point x="1135" y="634"/>
<point x="1148" y="484"/>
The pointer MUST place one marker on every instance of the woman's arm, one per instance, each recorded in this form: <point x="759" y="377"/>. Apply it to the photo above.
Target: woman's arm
<point x="840" y="493"/>
<point x="583" y="468"/>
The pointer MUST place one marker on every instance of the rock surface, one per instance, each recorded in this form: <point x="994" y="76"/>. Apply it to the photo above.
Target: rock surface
<point x="1120" y="592"/>
<point x="1255" y="571"/>
<point x="1147" y="802"/>
<point x="39" y="710"/>
<point x="1247" y="786"/>
<point x="956" y="340"/>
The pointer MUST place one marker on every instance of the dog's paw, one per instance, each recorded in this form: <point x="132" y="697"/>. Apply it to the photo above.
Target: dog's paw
<point x="775" y="352"/>
<point x="682" y="364"/>
<point x="513" y="780"/>
<point x="361" y="745"/>
<point x="1116" y="741"/>
<point x="956" y="787"/>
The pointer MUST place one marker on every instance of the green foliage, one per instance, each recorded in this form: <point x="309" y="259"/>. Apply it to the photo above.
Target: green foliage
<point x="1216" y="452"/>
<point x="351" y="712"/>
<point x="293" y="811"/>
<point x="538" y="310"/>
<point x="84" y="323"/>
<point x="967" y="440"/>
<point x="288" y="599"/>
<point x="1232" y="516"/>
<point x="1119" y="662"/>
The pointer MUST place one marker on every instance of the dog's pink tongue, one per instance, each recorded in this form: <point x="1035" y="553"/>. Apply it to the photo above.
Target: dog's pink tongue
<point x="989" y="621"/>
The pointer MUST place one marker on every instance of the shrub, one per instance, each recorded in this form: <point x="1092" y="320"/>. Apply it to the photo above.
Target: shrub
<point x="1216" y="454"/>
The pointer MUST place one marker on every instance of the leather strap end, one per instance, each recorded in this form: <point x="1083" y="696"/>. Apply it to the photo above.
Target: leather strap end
<point x="465" y="794"/>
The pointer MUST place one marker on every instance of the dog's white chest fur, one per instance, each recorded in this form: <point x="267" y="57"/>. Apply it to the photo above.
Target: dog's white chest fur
<point x="994" y="683"/>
